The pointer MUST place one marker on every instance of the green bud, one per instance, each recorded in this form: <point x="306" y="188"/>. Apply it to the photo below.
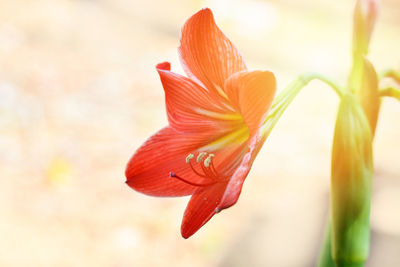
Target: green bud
<point x="351" y="182"/>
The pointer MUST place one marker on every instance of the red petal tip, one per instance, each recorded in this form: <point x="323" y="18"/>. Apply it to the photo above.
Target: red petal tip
<point x="186" y="236"/>
<point x="164" y="66"/>
<point x="206" y="9"/>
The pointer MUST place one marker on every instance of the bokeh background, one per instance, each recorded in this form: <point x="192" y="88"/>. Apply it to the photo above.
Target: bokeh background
<point x="79" y="93"/>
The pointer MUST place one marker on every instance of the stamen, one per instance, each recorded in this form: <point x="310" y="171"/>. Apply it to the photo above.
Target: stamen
<point x="201" y="156"/>
<point x="208" y="172"/>
<point x="208" y="160"/>
<point x="212" y="167"/>
<point x="196" y="172"/>
<point x="189" y="157"/>
<point x="188" y="161"/>
<point x="173" y="175"/>
<point x="209" y="168"/>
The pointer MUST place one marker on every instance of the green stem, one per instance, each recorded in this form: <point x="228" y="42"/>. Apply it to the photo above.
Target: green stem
<point x="285" y="97"/>
<point x="325" y="257"/>
<point x="395" y="75"/>
<point x="332" y="84"/>
<point x="390" y="91"/>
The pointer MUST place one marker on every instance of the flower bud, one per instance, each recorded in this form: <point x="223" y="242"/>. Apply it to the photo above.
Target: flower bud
<point x="368" y="94"/>
<point x="351" y="182"/>
<point x="365" y="13"/>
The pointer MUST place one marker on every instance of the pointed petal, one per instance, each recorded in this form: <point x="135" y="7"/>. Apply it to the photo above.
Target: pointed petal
<point x="201" y="208"/>
<point x="207" y="55"/>
<point x="148" y="169"/>
<point x="208" y="201"/>
<point x="190" y="107"/>
<point x="251" y="94"/>
<point x="234" y="187"/>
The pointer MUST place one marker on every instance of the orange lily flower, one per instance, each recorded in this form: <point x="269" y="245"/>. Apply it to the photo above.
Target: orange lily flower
<point x="214" y="118"/>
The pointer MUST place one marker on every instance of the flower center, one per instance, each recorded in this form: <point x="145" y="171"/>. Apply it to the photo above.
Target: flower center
<point x="205" y="168"/>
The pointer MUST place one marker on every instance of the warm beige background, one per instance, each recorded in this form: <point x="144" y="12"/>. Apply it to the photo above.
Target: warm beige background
<point x="79" y="93"/>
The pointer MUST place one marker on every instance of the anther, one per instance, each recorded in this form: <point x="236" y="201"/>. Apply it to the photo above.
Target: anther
<point x="208" y="160"/>
<point x="201" y="156"/>
<point x="189" y="157"/>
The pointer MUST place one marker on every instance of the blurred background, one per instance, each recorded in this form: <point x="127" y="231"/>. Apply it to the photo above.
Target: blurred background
<point x="79" y="93"/>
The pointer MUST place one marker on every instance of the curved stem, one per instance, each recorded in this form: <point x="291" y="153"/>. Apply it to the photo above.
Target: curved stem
<point x="285" y="97"/>
<point x="395" y="75"/>
<point x="329" y="82"/>
<point x="390" y="91"/>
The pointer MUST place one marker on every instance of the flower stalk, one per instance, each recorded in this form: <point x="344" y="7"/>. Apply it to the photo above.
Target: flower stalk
<point x="286" y="96"/>
<point x="395" y="75"/>
<point x="391" y="92"/>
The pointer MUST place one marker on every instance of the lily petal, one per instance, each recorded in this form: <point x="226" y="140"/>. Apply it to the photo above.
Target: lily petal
<point x="201" y="208"/>
<point x="251" y="94"/>
<point x="190" y="107"/>
<point x="149" y="168"/>
<point x="207" y="55"/>
<point x="234" y="187"/>
<point x="208" y="201"/>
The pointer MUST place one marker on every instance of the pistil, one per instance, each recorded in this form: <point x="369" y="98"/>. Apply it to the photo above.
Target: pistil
<point x="173" y="175"/>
